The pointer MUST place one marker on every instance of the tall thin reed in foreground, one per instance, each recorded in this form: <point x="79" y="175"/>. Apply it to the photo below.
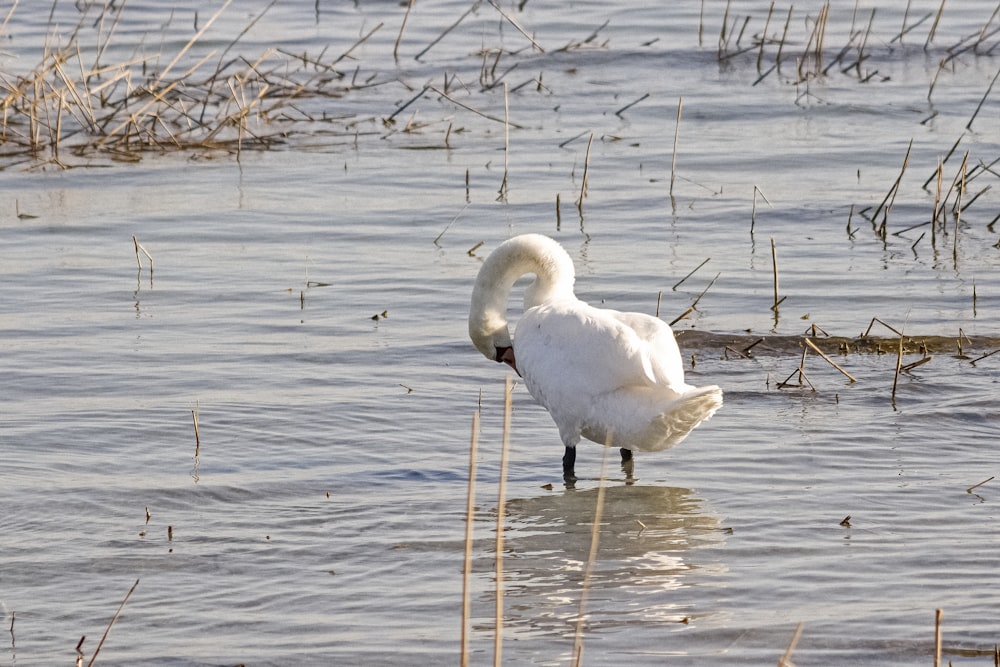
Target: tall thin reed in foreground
<point x="595" y="536"/>
<point x="469" y="517"/>
<point x="501" y="514"/>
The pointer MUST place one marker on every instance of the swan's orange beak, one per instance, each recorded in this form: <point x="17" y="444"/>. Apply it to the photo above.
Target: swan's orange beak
<point x="505" y="355"/>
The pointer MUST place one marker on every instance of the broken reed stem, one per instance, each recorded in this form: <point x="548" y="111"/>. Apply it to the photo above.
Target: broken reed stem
<point x="138" y="248"/>
<point x="586" y="171"/>
<point x="501" y="513"/>
<point x="470" y="511"/>
<point x="595" y="536"/>
<point x="677" y="129"/>
<point x="829" y="360"/>
<point x="113" y="619"/>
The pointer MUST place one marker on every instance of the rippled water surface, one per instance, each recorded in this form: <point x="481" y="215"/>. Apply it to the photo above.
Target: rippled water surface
<point x="307" y="299"/>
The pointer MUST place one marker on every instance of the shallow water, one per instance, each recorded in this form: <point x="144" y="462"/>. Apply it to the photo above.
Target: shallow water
<point x="323" y="518"/>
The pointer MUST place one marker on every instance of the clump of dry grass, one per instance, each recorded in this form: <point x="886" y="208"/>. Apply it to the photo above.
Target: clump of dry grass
<point x="73" y="104"/>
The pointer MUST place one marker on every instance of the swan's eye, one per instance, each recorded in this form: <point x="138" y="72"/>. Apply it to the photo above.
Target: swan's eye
<point x="500" y="353"/>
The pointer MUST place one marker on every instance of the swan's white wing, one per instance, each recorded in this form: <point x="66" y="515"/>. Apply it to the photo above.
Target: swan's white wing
<point x="571" y="354"/>
<point x="658" y="347"/>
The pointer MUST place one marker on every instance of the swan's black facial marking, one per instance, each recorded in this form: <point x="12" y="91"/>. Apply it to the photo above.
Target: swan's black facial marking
<point x="505" y="355"/>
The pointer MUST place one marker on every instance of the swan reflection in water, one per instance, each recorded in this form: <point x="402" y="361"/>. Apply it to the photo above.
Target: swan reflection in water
<point x="644" y="562"/>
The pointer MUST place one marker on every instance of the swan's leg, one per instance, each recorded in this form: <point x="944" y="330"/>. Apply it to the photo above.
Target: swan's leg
<point x="569" y="464"/>
<point x="628" y="464"/>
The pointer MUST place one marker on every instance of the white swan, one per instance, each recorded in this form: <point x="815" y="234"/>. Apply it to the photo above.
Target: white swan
<point x="611" y="377"/>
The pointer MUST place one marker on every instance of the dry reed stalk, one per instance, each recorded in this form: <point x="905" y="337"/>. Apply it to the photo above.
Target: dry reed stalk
<point x="681" y="316"/>
<point x="801" y="371"/>
<point x="829" y="360"/>
<point x="197" y="434"/>
<point x="506" y="142"/>
<point x="890" y="196"/>
<point x="872" y="323"/>
<point x="694" y="304"/>
<point x="447" y="30"/>
<point x="113" y="619"/>
<point x="677" y="129"/>
<point x="934" y="26"/>
<point x="402" y="27"/>
<point x="753" y="206"/>
<point x="139" y="247"/>
<point x="595" y="537"/>
<point x="501" y="514"/>
<point x="774" y="265"/>
<point x="517" y="26"/>
<point x="586" y="170"/>
<point x="814" y="45"/>
<point x="786" y="659"/>
<point x="452" y="222"/>
<point x="678" y="283"/>
<point x="763" y="37"/>
<point x="968" y="125"/>
<point x="899" y="364"/>
<point x="976" y="486"/>
<point x="470" y="513"/>
<point x="630" y="105"/>
<point x="475" y="111"/>
<point x="781" y="44"/>
<point x="191" y="42"/>
<point x="988" y="354"/>
<point x="938" y="613"/>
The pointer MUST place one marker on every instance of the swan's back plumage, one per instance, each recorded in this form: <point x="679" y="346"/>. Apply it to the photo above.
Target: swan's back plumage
<point x="616" y="378"/>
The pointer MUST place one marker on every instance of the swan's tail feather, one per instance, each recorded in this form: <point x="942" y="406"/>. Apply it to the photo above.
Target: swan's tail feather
<point x="683" y="415"/>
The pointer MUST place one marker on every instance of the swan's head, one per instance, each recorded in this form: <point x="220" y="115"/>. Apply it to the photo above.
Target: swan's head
<point x="525" y="254"/>
<point x="489" y="333"/>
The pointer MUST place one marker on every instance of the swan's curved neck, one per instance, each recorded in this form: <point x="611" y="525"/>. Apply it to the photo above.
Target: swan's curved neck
<point x="527" y="254"/>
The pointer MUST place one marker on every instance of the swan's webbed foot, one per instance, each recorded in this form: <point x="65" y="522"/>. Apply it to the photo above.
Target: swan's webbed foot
<point x="569" y="465"/>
